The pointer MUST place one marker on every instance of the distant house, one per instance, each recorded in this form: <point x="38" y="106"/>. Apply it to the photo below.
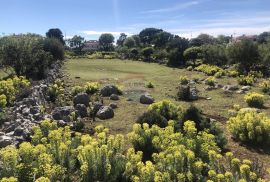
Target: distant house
<point x="91" y="45"/>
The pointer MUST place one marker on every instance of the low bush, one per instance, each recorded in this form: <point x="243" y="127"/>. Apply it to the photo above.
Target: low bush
<point x="183" y="93"/>
<point x="250" y="126"/>
<point x="208" y="69"/>
<point x="149" y="85"/>
<point x="246" y="80"/>
<point x="265" y="86"/>
<point x="77" y="89"/>
<point x="232" y="73"/>
<point x="153" y="118"/>
<point x="219" y="74"/>
<point x="211" y="81"/>
<point x="91" y="87"/>
<point x="56" y="91"/>
<point x="183" y="80"/>
<point x="58" y="154"/>
<point x="254" y="99"/>
<point x="12" y="86"/>
<point x="167" y="109"/>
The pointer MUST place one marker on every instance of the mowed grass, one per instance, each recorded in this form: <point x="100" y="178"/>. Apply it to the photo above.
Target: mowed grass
<point x="132" y="77"/>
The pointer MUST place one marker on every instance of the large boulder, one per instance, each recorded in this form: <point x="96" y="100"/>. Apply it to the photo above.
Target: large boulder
<point x="108" y="90"/>
<point x="146" y="99"/>
<point x="81" y="98"/>
<point x="193" y="94"/>
<point x="81" y="110"/>
<point x="105" y="112"/>
<point x="62" y="113"/>
<point x="97" y="106"/>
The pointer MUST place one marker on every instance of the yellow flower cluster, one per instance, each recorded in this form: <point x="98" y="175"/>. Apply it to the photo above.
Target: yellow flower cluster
<point x="183" y="80"/>
<point x="211" y="81"/>
<point x="246" y="80"/>
<point x="208" y="69"/>
<point x="56" y="91"/>
<point x="57" y="154"/>
<point x="10" y="88"/>
<point x="265" y="86"/>
<point x="254" y="99"/>
<point x="250" y="126"/>
<point x="167" y="109"/>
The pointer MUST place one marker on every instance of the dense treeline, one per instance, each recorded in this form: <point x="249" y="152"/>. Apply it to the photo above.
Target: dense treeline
<point x="248" y="53"/>
<point x="30" y="54"/>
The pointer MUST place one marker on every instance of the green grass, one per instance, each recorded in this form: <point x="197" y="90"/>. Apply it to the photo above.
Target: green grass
<point x="133" y="76"/>
<point x="4" y="73"/>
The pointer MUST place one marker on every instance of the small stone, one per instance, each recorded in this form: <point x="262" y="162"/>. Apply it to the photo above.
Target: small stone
<point x="81" y="98"/>
<point x="114" y="97"/>
<point x="246" y="88"/>
<point x="146" y="99"/>
<point x="5" y="141"/>
<point x="81" y="109"/>
<point x="113" y="105"/>
<point x="105" y="112"/>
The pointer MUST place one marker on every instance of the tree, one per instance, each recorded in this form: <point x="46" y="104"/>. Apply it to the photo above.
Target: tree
<point x="245" y="53"/>
<point x="147" y="52"/>
<point x="263" y="37"/>
<point x="223" y="39"/>
<point x="129" y="42"/>
<point x="192" y="54"/>
<point x="137" y="40"/>
<point x="26" y="54"/>
<point x="106" y="41"/>
<point x="264" y="56"/>
<point x="121" y="39"/>
<point x="147" y="35"/>
<point x="214" y="54"/>
<point x="77" y="43"/>
<point x="176" y="48"/>
<point x="202" y="39"/>
<point x="161" y="39"/>
<point x="56" y="33"/>
<point x="55" y="47"/>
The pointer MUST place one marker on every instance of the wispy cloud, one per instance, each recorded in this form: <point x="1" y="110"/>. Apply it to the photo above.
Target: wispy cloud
<point x="172" y="8"/>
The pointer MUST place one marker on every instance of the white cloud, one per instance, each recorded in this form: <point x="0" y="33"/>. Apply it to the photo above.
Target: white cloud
<point x="173" y="8"/>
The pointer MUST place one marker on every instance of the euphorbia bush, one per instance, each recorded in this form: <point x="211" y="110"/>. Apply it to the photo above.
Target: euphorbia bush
<point x="246" y="80"/>
<point x="208" y="69"/>
<point x="167" y="109"/>
<point x="91" y="87"/>
<point x="12" y="86"/>
<point x="250" y="126"/>
<point x="254" y="99"/>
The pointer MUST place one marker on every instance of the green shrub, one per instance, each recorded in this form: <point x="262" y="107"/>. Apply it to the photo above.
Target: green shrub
<point x="211" y="81"/>
<point x="265" y="86"/>
<point x="153" y="118"/>
<point x="208" y="69"/>
<point x="3" y="101"/>
<point x="183" y="80"/>
<point x="77" y="89"/>
<point x="149" y="85"/>
<point x="12" y="86"/>
<point x="250" y="126"/>
<point x="246" y="80"/>
<point x="56" y="91"/>
<point x="254" y="99"/>
<point x="167" y="109"/>
<point x="90" y="87"/>
<point x="232" y="73"/>
<point x="219" y="74"/>
<point x="183" y="93"/>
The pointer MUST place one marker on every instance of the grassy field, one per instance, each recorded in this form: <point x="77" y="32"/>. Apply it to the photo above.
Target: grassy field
<point x="133" y="76"/>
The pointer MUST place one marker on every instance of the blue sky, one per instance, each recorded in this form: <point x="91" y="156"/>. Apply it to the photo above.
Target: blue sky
<point x="90" y="18"/>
